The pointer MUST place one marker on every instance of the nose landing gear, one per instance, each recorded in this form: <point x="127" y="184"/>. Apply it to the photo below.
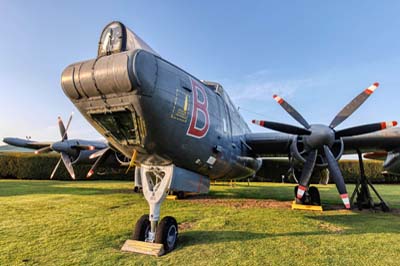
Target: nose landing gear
<point x="151" y="236"/>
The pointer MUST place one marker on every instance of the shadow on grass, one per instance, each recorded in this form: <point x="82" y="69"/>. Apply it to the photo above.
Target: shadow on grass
<point x="330" y="225"/>
<point x="21" y="188"/>
<point x="362" y="222"/>
<point x="280" y="193"/>
<point x="191" y="238"/>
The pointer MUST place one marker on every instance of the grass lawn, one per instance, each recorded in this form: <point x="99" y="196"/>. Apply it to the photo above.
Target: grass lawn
<point x="86" y="223"/>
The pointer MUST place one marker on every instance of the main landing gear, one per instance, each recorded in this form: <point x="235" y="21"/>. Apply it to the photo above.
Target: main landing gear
<point x="364" y="199"/>
<point x="310" y="197"/>
<point x="156" y="182"/>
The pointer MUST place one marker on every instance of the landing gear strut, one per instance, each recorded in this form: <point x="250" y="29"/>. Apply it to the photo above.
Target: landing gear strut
<point x="156" y="182"/>
<point x="138" y="181"/>
<point x="364" y="199"/>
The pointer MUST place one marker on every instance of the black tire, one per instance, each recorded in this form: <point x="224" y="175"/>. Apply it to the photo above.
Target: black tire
<point x="167" y="233"/>
<point x="142" y="228"/>
<point x="315" y="198"/>
<point x="180" y="195"/>
<point x="136" y="189"/>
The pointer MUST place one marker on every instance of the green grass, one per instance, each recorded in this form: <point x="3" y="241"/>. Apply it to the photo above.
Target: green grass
<point x="86" y="223"/>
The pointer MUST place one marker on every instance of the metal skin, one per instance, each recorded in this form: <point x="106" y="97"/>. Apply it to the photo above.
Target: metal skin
<point x="161" y="121"/>
<point x="391" y="164"/>
<point x="320" y="135"/>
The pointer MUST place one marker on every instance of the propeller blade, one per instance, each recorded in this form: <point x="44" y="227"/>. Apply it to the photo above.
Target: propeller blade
<point x="69" y="121"/>
<point x="61" y="126"/>
<point x="364" y="129"/>
<point x="285" y="128"/>
<point x="353" y="105"/>
<point x="43" y="150"/>
<point x="55" y="169"/>
<point x="306" y="173"/>
<point x="334" y="169"/>
<point x="63" y="129"/>
<point x="99" y="160"/>
<point x="292" y="112"/>
<point x="98" y="153"/>
<point x="67" y="162"/>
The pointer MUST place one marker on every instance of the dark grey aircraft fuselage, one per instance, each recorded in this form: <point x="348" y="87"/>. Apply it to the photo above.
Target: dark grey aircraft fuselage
<point x="163" y="112"/>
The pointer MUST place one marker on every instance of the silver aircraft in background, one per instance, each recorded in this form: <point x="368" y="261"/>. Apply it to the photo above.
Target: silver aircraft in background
<point x="74" y="151"/>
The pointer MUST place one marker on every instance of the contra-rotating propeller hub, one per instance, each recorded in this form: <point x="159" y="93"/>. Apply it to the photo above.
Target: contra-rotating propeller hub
<point x="320" y="135"/>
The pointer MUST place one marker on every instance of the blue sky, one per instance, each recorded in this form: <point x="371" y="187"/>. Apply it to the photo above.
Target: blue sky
<point x="316" y="54"/>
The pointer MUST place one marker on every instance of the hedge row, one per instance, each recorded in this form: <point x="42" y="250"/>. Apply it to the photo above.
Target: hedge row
<point x="30" y="166"/>
<point x="273" y="171"/>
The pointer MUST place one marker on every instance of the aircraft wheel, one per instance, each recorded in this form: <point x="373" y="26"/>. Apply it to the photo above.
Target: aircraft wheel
<point x="142" y="228"/>
<point x="136" y="189"/>
<point x="167" y="233"/>
<point x="180" y="195"/>
<point x="315" y="198"/>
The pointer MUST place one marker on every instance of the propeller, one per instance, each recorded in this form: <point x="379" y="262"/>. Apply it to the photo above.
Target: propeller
<point x="101" y="155"/>
<point x="318" y="140"/>
<point x="63" y="147"/>
<point x="64" y="156"/>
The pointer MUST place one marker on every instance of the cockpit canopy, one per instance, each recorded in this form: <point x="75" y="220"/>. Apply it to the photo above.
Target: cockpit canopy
<point x="116" y="38"/>
<point x="215" y="86"/>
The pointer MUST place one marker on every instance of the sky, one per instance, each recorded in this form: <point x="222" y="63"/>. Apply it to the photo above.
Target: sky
<point x="317" y="55"/>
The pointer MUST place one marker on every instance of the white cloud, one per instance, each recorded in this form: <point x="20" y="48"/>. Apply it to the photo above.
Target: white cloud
<point x="261" y="84"/>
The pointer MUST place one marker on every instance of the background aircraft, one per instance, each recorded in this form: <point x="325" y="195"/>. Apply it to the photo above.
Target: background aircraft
<point x="74" y="151"/>
<point x="391" y="161"/>
<point x="183" y="131"/>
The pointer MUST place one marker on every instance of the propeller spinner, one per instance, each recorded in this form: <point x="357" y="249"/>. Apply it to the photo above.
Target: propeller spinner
<point x="318" y="140"/>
